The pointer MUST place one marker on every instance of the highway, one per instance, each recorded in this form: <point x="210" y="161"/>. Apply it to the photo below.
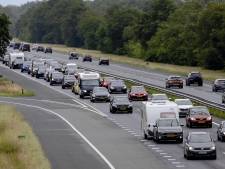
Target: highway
<point x="118" y="136"/>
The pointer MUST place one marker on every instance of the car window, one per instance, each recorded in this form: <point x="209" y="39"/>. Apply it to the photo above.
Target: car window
<point x="175" y="78"/>
<point x="100" y="89"/>
<point x="117" y="83"/>
<point x="199" y="138"/>
<point x="221" y="82"/>
<point x="138" y="89"/>
<point x="57" y="75"/>
<point x="168" y="123"/>
<point x="121" y="99"/>
<point x="199" y="111"/>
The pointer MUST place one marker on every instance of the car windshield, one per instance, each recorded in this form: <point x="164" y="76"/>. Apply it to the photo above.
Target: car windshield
<point x="100" y="89"/>
<point x="121" y="99"/>
<point x="174" y="78"/>
<point x="160" y="97"/>
<point x="221" y="82"/>
<point x="92" y="82"/>
<point x="138" y="89"/>
<point x="195" y="74"/>
<point x="57" y="75"/>
<point x="199" y="111"/>
<point x="71" y="67"/>
<point x="183" y="102"/>
<point x="117" y="83"/>
<point x="168" y="123"/>
<point x="199" y="138"/>
<point x="70" y="77"/>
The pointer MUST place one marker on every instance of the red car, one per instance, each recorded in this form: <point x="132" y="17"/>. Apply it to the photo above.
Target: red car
<point x="199" y="116"/>
<point x="138" y="93"/>
<point x="106" y="81"/>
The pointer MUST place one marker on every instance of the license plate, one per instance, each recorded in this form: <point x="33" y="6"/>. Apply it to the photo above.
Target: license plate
<point x="201" y="122"/>
<point x="122" y="108"/>
<point x="171" y="135"/>
<point x="202" y="152"/>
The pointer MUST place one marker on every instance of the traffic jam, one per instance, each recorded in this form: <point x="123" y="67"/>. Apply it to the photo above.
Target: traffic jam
<point x="162" y="119"/>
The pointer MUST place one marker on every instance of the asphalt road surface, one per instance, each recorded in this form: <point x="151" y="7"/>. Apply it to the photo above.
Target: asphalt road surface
<point x="118" y="137"/>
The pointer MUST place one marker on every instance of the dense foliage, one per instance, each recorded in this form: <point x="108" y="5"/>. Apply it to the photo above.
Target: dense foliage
<point x="4" y="33"/>
<point x="190" y="32"/>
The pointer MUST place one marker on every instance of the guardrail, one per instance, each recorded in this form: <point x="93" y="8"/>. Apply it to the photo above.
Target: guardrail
<point x="180" y="94"/>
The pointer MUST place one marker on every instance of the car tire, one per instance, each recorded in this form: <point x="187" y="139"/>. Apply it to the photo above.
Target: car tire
<point x="180" y="141"/>
<point x="63" y="87"/>
<point x="187" y="83"/>
<point x="200" y="84"/>
<point x="182" y="87"/>
<point x="145" y="136"/>
<point x="51" y="83"/>
<point x="214" y="157"/>
<point x="210" y="126"/>
<point x="81" y="96"/>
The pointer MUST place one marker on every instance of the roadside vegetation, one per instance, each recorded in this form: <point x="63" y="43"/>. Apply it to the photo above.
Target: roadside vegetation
<point x="10" y="89"/>
<point x="19" y="147"/>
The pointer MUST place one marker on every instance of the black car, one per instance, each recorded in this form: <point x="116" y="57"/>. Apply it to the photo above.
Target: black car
<point x="16" y="46"/>
<point x="73" y="56"/>
<point x="117" y="86"/>
<point x="221" y="131"/>
<point x="48" y="50"/>
<point x="219" y="84"/>
<point x="40" y="71"/>
<point x="167" y="129"/>
<point x="120" y="104"/>
<point x="40" y="49"/>
<point x="100" y="94"/>
<point x="68" y="81"/>
<point x="194" y="78"/>
<point x="87" y="58"/>
<point x="56" y="78"/>
<point x="25" y="47"/>
<point x="25" y="66"/>
<point x="199" y="144"/>
<point x="103" y="61"/>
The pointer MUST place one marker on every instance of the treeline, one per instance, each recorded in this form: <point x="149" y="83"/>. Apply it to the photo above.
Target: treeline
<point x="190" y="32"/>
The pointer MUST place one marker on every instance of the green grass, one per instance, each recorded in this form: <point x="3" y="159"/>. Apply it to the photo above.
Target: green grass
<point x="19" y="147"/>
<point x="166" y="68"/>
<point x="10" y="89"/>
<point x="215" y="112"/>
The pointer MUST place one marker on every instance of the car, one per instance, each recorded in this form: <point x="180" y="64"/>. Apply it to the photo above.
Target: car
<point x="100" y="94"/>
<point x="48" y="73"/>
<point x="40" y="49"/>
<point x="194" y="77"/>
<point x="137" y="93"/>
<point x="25" y="47"/>
<point x="73" y="56"/>
<point x="56" y="78"/>
<point x="40" y="71"/>
<point x="117" y="86"/>
<point x="17" y="45"/>
<point x="105" y="81"/>
<point x="68" y="81"/>
<point x="25" y="66"/>
<point x="87" y="58"/>
<point x="184" y="106"/>
<point x="120" y="104"/>
<point x="198" y="116"/>
<point x="159" y="97"/>
<point x="219" y="84"/>
<point x="199" y="144"/>
<point x="48" y="50"/>
<point x="174" y="81"/>
<point x="103" y="61"/>
<point x="167" y="129"/>
<point x="221" y="131"/>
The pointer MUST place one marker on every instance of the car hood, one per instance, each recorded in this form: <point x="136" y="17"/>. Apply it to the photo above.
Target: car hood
<point x="202" y="145"/>
<point x="184" y="106"/>
<point x="123" y="103"/>
<point x="101" y="94"/>
<point x="170" y="129"/>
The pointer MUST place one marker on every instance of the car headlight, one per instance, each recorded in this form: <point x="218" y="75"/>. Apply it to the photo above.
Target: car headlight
<point x="84" y="91"/>
<point x="108" y="95"/>
<point x="93" y="95"/>
<point x="190" y="148"/>
<point x="124" y="87"/>
<point x="213" y="148"/>
<point x="112" y="87"/>
<point x="192" y="118"/>
<point x="223" y="133"/>
<point x="53" y="79"/>
<point x="209" y="118"/>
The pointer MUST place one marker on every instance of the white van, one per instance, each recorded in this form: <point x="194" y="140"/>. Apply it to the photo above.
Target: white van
<point x="152" y="111"/>
<point x="16" y="60"/>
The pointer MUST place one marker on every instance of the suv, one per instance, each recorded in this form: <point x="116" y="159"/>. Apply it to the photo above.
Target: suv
<point x="194" y="77"/>
<point x="174" y="81"/>
<point x="103" y="61"/>
<point x="48" y="50"/>
<point x="219" y="84"/>
<point x="25" y="47"/>
<point x="168" y="129"/>
<point x="40" y="49"/>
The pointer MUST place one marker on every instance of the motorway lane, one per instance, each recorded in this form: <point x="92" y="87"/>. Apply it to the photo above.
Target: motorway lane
<point x="173" y="153"/>
<point x="154" y="78"/>
<point x="122" y="149"/>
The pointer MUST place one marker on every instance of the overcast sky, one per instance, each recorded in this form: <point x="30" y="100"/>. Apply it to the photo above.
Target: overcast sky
<point x="13" y="2"/>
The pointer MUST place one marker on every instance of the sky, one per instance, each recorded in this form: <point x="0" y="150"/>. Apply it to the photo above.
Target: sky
<point x="13" y="2"/>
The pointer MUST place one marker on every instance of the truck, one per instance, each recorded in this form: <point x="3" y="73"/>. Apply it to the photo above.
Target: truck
<point x="16" y="60"/>
<point x="151" y="111"/>
<point x="85" y="83"/>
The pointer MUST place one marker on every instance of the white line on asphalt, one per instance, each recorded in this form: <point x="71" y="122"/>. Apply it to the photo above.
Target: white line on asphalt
<point x="159" y="151"/>
<point x="167" y="156"/>
<point x="97" y="111"/>
<point x="216" y="123"/>
<point x="143" y="140"/>
<point x="75" y="129"/>
<point x="151" y="145"/>
<point x="175" y="162"/>
<point x="76" y="101"/>
<point x="180" y="166"/>
<point x="163" y="153"/>
<point x="137" y="135"/>
<point x="171" y="159"/>
<point x="155" y="148"/>
<point x="224" y="153"/>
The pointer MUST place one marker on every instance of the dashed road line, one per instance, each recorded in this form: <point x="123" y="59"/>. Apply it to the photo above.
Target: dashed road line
<point x="167" y="156"/>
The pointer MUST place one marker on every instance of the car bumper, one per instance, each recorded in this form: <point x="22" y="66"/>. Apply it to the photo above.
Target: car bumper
<point x="122" y="110"/>
<point x="118" y="90"/>
<point x="197" y="123"/>
<point x="101" y="98"/>
<point x="203" y="153"/>
<point x="139" y="98"/>
<point x="170" y="137"/>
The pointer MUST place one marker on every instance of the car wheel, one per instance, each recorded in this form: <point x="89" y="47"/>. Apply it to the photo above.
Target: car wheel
<point x="51" y="83"/>
<point x="200" y="84"/>
<point x="210" y="125"/>
<point x="63" y="87"/>
<point x="145" y="136"/>
<point x="180" y="141"/>
<point x="182" y="87"/>
<point x="81" y="96"/>
<point x="218" y="137"/>
<point x="214" y="157"/>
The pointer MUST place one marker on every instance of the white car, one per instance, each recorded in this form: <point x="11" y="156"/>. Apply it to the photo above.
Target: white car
<point x="184" y="106"/>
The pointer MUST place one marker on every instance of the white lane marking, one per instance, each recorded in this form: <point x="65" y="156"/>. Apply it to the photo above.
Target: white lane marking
<point x="76" y="101"/>
<point x="137" y="135"/>
<point x="163" y="153"/>
<point x="175" y="162"/>
<point x="171" y="159"/>
<point x="216" y="123"/>
<point x="151" y="145"/>
<point x="97" y="111"/>
<point x="68" y="123"/>
<point x="155" y="148"/>
<point x="159" y="151"/>
<point x="180" y="166"/>
<point x="143" y="140"/>
<point x="224" y="153"/>
<point x="167" y="156"/>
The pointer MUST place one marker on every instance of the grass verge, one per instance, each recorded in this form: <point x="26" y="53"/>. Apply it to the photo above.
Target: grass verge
<point x="215" y="112"/>
<point x="10" y="89"/>
<point x="165" y="68"/>
<point x="19" y="147"/>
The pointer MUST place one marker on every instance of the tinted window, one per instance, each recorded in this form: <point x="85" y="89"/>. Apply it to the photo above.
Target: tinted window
<point x="70" y="77"/>
<point x="174" y="78"/>
<point x="57" y="75"/>
<point x="200" y="138"/>
<point x="90" y="82"/>
<point x="221" y="82"/>
<point x="199" y="111"/>
<point x="168" y="123"/>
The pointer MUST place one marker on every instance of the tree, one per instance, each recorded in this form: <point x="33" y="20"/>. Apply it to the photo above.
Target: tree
<point x="4" y="33"/>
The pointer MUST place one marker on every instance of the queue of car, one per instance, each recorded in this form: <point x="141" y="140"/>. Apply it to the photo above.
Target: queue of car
<point x="160" y="117"/>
